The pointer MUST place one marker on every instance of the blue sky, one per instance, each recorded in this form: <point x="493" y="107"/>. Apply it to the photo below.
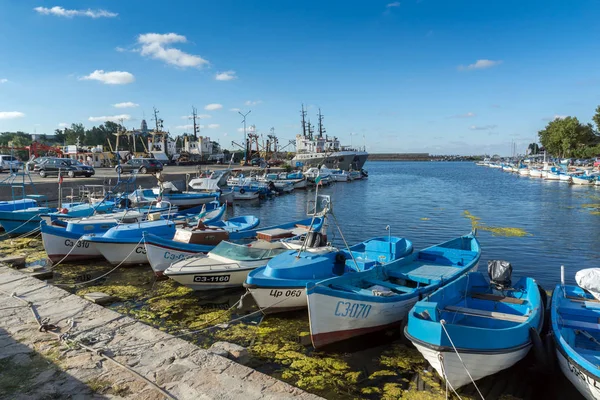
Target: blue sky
<point x="437" y="76"/>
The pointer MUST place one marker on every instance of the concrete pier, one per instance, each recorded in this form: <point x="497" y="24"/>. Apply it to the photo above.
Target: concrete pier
<point x="34" y="364"/>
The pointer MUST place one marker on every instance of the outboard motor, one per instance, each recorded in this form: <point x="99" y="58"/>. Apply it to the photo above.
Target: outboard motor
<point x="500" y="273"/>
<point x="313" y="239"/>
<point x="124" y="203"/>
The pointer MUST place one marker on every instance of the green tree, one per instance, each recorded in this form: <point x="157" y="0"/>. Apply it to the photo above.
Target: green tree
<point x="567" y="137"/>
<point x="596" y="119"/>
<point x="533" y="148"/>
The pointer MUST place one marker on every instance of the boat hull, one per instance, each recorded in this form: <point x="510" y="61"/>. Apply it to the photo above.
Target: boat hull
<point x="480" y="365"/>
<point x="587" y="385"/>
<point x="582" y="181"/>
<point x="278" y="299"/>
<point x="213" y="279"/>
<point x="119" y="253"/>
<point x="161" y="256"/>
<point x="333" y="319"/>
<point x="66" y="246"/>
<point x="535" y="173"/>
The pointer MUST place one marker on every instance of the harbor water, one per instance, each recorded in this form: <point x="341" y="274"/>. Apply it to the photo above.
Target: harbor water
<point x="535" y="224"/>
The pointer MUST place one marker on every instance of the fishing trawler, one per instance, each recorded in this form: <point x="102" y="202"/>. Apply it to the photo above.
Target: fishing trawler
<point x="194" y="148"/>
<point x="320" y="150"/>
<point x="160" y="145"/>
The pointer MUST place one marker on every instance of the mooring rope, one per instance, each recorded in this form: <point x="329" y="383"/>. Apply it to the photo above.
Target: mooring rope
<point x="443" y="323"/>
<point x="441" y="360"/>
<point x="103" y="275"/>
<point x="23" y="224"/>
<point x="45" y="326"/>
<point x="54" y="265"/>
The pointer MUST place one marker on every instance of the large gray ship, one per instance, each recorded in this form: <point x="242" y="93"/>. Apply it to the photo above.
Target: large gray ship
<point x="319" y="149"/>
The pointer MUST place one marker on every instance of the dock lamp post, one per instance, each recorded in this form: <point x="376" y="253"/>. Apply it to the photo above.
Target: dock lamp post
<point x="245" y="144"/>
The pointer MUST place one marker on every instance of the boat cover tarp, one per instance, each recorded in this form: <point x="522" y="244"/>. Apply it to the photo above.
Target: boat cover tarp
<point x="589" y="279"/>
<point x="500" y="272"/>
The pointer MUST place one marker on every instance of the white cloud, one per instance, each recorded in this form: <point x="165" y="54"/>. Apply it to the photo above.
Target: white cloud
<point x="234" y="109"/>
<point x="204" y="116"/>
<point x="482" y="127"/>
<point x="241" y="130"/>
<point x="11" y="114"/>
<point x="554" y="117"/>
<point x="109" y="78"/>
<point x="225" y="76"/>
<point x="394" y="4"/>
<point x="213" y="107"/>
<point x="120" y="49"/>
<point x="61" y="12"/>
<point x="3" y="80"/>
<point x="112" y="118"/>
<point x="252" y="102"/>
<point x="185" y="127"/>
<point x="62" y="124"/>
<point x="155" y="45"/>
<point x="225" y="134"/>
<point x="467" y="115"/>
<point x="127" y="104"/>
<point x="213" y="126"/>
<point x="480" y="64"/>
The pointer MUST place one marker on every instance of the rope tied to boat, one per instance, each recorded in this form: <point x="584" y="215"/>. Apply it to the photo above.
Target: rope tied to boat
<point x="443" y="324"/>
<point x="441" y="360"/>
<point x="103" y="275"/>
<point x="45" y="326"/>
<point x="23" y="224"/>
<point x="67" y="255"/>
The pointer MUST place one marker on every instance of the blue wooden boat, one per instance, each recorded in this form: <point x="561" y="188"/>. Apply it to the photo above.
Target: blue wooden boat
<point x="355" y="304"/>
<point x="23" y="221"/>
<point x="123" y="244"/>
<point x="575" y="329"/>
<point x="491" y="328"/>
<point x="280" y="286"/>
<point x="161" y="252"/>
<point x="180" y="199"/>
<point x="20" y="204"/>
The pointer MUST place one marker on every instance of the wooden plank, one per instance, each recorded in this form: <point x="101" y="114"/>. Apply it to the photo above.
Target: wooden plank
<point x="495" y="297"/>
<point x="487" y="314"/>
<point x="577" y="298"/>
<point x="571" y="323"/>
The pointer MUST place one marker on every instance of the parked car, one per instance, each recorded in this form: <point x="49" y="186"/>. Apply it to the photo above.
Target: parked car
<point x="141" y="165"/>
<point x="257" y="161"/>
<point x="9" y="163"/>
<point x="66" y="166"/>
<point x="30" y="165"/>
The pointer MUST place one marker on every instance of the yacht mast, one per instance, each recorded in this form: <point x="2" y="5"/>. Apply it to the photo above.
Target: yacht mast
<point x="321" y="128"/>
<point x="303" y="113"/>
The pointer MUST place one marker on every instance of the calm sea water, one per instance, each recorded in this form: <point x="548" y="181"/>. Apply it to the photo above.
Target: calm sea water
<point x="425" y="202"/>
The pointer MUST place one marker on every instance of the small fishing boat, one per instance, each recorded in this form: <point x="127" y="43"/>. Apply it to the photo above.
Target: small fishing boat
<point x="20" y="204"/>
<point x="228" y="264"/>
<point x="281" y="284"/>
<point x="489" y="325"/>
<point x="123" y="244"/>
<point x="355" y="304"/>
<point x="583" y="180"/>
<point x="564" y="177"/>
<point x="162" y="252"/>
<point x="535" y="173"/>
<point x="340" y="176"/>
<point x="575" y="313"/>
<point x="524" y="171"/>
<point x="246" y="192"/>
<point x="553" y="175"/>
<point x="61" y="237"/>
<point x="179" y="199"/>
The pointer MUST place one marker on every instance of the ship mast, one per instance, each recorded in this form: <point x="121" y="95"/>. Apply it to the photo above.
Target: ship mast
<point x="321" y="128"/>
<point x="303" y="113"/>
<point x="196" y="127"/>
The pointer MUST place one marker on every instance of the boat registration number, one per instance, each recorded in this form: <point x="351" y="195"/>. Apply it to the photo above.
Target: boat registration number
<point x="352" y="310"/>
<point x="211" y="278"/>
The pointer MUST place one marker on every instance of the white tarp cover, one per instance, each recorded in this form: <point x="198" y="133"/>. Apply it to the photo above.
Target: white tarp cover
<point x="589" y="279"/>
<point x="204" y="184"/>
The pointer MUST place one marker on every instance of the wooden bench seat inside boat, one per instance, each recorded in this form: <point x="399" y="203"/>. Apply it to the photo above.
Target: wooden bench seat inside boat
<point x="390" y="285"/>
<point x="487" y="314"/>
<point x="495" y="297"/>
<point x="353" y="289"/>
<point x="571" y="323"/>
<point x="274" y="234"/>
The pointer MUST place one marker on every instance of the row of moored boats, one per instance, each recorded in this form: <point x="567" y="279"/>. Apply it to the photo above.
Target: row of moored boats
<point x="548" y="171"/>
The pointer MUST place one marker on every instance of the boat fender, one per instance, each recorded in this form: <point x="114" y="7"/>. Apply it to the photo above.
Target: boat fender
<point x="340" y="258"/>
<point x="64" y="211"/>
<point x="550" y="354"/>
<point x="242" y="191"/>
<point x="538" y="348"/>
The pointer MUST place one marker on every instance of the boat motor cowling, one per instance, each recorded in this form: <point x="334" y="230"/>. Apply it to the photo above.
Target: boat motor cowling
<point x="500" y="273"/>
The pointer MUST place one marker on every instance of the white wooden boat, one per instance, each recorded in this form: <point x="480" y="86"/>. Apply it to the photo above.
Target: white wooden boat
<point x="583" y="180"/>
<point x="535" y="173"/>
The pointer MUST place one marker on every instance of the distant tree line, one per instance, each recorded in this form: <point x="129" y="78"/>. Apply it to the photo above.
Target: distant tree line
<point x="567" y="137"/>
